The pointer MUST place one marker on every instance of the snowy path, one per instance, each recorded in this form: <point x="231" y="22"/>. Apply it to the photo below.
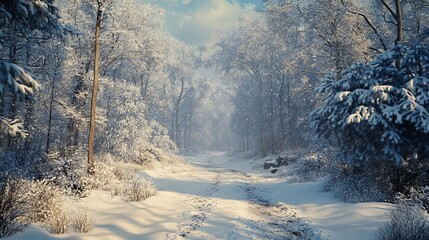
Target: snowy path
<point x="230" y="206"/>
<point x="234" y="201"/>
<point x="224" y="198"/>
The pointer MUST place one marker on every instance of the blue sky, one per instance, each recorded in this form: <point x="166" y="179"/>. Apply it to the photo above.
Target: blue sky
<point x="196" y="22"/>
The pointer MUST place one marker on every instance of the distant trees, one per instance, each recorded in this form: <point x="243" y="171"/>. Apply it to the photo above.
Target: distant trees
<point x="277" y="57"/>
<point x="139" y="57"/>
<point x="270" y="58"/>
<point x="339" y="37"/>
<point x="140" y="73"/>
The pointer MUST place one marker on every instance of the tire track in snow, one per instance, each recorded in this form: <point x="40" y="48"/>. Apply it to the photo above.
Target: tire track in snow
<point x="199" y="207"/>
<point x="263" y="220"/>
<point x="276" y="221"/>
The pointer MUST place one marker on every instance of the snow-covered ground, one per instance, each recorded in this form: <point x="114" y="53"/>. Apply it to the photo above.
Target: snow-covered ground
<point x="225" y="198"/>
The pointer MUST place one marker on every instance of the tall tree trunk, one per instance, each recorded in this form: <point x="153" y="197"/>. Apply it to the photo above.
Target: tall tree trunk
<point x="247" y="139"/>
<point x="397" y="15"/>
<point x="143" y="89"/>
<point x="91" y="162"/>
<point x="289" y="112"/>
<point x="188" y="135"/>
<point x="173" y="126"/>
<point x="177" y="127"/>
<point x="272" y="116"/>
<point x="261" y="118"/>
<point x="281" y="102"/>
<point x="51" y="106"/>
<point x="399" y="23"/>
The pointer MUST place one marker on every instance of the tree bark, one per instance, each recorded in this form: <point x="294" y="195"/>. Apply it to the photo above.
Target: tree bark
<point x="51" y="108"/>
<point x="399" y="23"/>
<point x="272" y="147"/>
<point x="176" y="130"/>
<point x="289" y="113"/>
<point x="281" y="102"/>
<point x="261" y="117"/>
<point x="91" y="162"/>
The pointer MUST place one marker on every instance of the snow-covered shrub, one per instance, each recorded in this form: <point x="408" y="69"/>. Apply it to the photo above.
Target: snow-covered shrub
<point x="69" y="172"/>
<point x="406" y="222"/>
<point x="151" y="157"/>
<point x="135" y="190"/>
<point x="104" y="177"/>
<point x="58" y="224"/>
<point x="139" y="189"/>
<point x="159" y="137"/>
<point x="354" y="188"/>
<point x="83" y="221"/>
<point x="378" y="111"/>
<point x="175" y="161"/>
<point x="23" y="201"/>
<point x="148" y="155"/>
<point x="310" y="167"/>
<point x="117" y="190"/>
<point x="46" y="200"/>
<point x="125" y="171"/>
<point x="416" y="197"/>
<point x="14" y="209"/>
<point x="352" y="183"/>
<point x="74" y="178"/>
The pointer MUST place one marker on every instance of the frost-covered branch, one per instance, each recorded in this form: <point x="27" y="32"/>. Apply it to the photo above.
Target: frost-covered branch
<point x="17" y="80"/>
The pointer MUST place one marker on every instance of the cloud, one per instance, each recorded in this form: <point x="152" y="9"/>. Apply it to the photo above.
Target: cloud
<point x="168" y="3"/>
<point x="198" y="23"/>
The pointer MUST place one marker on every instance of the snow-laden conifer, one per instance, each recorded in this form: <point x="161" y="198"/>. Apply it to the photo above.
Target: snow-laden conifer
<point x="378" y="110"/>
<point x="24" y="18"/>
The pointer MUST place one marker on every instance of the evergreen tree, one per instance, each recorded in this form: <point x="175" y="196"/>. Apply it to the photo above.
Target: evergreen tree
<point x="378" y="111"/>
<point x="22" y="18"/>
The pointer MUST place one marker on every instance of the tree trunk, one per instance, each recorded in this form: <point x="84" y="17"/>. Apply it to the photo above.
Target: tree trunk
<point x="143" y="89"/>
<point x="51" y="107"/>
<point x="281" y="102"/>
<point x="261" y="118"/>
<point x="188" y="135"/>
<point x="73" y="127"/>
<point x="289" y="112"/>
<point x="177" y="127"/>
<point x="272" y="116"/>
<point x="399" y="23"/>
<point x="91" y="162"/>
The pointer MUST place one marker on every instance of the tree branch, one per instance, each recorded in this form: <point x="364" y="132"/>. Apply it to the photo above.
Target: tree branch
<point x="389" y="9"/>
<point x="369" y="23"/>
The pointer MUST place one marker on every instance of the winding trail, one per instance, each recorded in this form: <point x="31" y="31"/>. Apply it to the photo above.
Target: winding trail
<point x="225" y="198"/>
<point x="231" y="205"/>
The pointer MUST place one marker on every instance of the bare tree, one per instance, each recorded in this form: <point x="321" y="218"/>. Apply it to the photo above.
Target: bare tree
<point x="91" y="162"/>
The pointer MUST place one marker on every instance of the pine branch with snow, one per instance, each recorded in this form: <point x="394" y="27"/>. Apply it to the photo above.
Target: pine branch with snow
<point x="378" y="110"/>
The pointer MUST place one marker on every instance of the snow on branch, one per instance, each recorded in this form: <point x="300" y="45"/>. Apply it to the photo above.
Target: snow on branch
<point x="17" y="80"/>
<point x="14" y="127"/>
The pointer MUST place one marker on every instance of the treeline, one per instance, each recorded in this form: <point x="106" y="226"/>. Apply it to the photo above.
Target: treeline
<point x="277" y="58"/>
<point x="148" y="94"/>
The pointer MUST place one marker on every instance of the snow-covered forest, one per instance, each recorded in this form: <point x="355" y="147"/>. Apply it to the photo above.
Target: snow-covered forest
<point x="214" y="119"/>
